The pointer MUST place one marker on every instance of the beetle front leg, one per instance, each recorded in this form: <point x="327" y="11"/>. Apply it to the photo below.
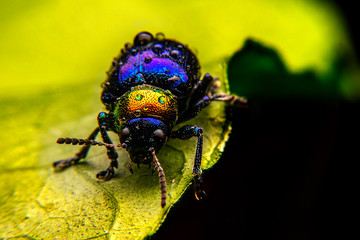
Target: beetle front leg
<point x="103" y="120"/>
<point x="79" y="155"/>
<point x="187" y="132"/>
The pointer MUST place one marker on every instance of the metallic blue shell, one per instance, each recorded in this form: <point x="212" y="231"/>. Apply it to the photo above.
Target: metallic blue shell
<point x="146" y="64"/>
<point x="159" y="62"/>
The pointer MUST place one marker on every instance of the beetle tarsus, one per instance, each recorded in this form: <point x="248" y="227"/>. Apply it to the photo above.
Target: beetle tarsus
<point x="199" y="188"/>
<point x="130" y="167"/>
<point x="107" y="174"/>
<point x="233" y="100"/>
<point x="61" y="164"/>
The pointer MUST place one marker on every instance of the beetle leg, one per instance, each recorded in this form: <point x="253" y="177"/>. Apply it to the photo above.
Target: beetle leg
<point x="111" y="152"/>
<point x="204" y="94"/>
<point x="208" y="86"/>
<point x="187" y="132"/>
<point x="204" y="86"/>
<point x="205" y="101"/>
<point x="79" y="155"/>
<point x="231" y="99"/>
<point x="130" y="167"/>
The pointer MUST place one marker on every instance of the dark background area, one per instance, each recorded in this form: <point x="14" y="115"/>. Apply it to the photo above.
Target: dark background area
<point x="287" y="172"/>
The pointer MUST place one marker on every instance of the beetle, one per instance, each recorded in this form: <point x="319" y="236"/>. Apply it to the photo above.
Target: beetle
<point x="154" y="84"/>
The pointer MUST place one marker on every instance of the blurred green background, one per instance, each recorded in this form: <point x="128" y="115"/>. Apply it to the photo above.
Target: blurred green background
<point x="47" y="44"/>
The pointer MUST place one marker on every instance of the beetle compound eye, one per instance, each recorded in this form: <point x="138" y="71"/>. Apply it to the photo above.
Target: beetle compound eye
<point x="158" y="139"/>
<point x="159" y="135"/>
<point x="125" y="133"/>
<point x="143" y="39"/>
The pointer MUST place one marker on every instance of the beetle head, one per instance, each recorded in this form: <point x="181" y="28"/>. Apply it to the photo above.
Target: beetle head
<point x="141" y="136"/>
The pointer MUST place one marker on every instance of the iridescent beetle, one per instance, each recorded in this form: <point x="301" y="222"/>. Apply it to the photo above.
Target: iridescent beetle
<point x="153" y="85"/>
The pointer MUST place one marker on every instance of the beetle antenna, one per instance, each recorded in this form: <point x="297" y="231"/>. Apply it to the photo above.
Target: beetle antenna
<point x="162" y="179"/>
<point x="79" y="141"/>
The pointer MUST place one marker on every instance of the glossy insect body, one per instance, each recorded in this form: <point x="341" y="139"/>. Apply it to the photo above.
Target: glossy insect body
<point x="153" y="84"/>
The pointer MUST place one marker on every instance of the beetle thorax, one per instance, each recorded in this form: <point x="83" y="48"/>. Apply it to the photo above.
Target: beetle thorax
<point x="147" y="101"/>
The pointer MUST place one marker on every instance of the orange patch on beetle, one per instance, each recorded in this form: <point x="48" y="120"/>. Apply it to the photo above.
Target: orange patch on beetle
<point x="148" y="101"/>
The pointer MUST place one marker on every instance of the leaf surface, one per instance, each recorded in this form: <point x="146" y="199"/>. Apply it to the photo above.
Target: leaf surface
<point x="40" y="203"/>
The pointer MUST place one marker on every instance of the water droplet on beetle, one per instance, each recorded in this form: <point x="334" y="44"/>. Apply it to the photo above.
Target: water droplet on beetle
<point x="158" y="47"/>
<point x="174" y="78"/>
<point x="114" y="62"/>
<point x="175" y="53"/>
<point x="128" y="46"/>
<point x="143" y="38"/>
<point x="160" y="36"/>
<point x="147" y="59"/>
<point x="139" y="78"/>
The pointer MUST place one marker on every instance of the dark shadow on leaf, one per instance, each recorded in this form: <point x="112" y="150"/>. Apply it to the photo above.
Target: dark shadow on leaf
<point x="258" y="72"/>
